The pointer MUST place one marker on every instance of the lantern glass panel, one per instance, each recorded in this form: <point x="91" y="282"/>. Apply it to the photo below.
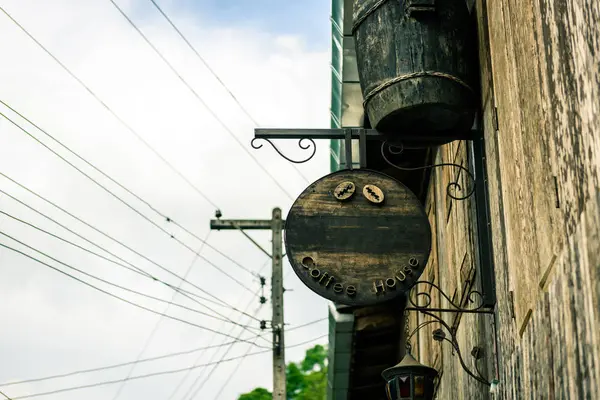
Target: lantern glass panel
<point x="430" y="388"/>
<point x="419" y="387"/>
<point x="391" y="389"/>
<point x="404" y="386"/>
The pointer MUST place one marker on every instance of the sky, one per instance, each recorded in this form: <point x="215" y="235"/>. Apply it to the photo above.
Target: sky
<point x="133" y="119"/>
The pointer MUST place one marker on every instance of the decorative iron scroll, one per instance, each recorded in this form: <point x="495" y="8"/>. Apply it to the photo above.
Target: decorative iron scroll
<point x="439" y="335"/>
<point x="474" y="296"/>
<point x="453" y="187"/>
<point x="301" y="144"/>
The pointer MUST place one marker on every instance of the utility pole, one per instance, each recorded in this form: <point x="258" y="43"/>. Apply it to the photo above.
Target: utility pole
<point x="275" y="224"/>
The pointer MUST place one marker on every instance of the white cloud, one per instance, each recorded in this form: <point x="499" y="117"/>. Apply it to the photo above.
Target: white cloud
<point x="51" y="324"/>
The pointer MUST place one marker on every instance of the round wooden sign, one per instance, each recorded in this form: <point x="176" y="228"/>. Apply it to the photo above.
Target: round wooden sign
<point x="358" y="237"/>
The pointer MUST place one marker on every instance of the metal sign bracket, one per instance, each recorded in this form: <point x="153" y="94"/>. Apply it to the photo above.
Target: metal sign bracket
<point x="395" y="144"/>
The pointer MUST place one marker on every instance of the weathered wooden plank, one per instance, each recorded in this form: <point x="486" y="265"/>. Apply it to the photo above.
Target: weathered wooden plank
<point x="463" y="227"/>
<point x="443" y="237"/>
<point x="537" y="149"/>
<point x="585" y="320"/>
<point x="591" y="244"/>
<point x="570" y="40"/>
<point x="506" y="326"/>
<point x="517" y="197"/>
<point x="563" y="336"/>
<point x="557" y="357"/>
<point x="541" y="66"/>
<point x="537" y="352"/>
<point x="430" y="350"/>
<point x="358" y="237"/>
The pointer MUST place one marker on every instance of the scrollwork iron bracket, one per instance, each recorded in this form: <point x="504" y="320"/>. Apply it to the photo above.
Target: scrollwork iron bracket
<point x="346" y="134"/>
<point x="474" y="305"/>
<point x="451" y="189"/>
<point x="301" y="143"/>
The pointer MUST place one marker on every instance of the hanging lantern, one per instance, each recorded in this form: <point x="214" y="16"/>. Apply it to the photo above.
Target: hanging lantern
<point x="410" y="380"/>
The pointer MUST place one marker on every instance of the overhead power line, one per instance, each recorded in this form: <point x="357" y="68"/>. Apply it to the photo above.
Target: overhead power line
<point x="307" y="324"/>
<point x="203" y="61"/>
<point x="115" y="115"/>
<point x="215" y="366"/>
<point x="153" y="223"/>
<point x="119" y="286"/>
<point x="116" y="296"/>
<point x="214" y="74"/>
<point x="147" y="203"/>
<point x="129" y="128"/>
<point x="137" y="270"/>
<point x="197" y="361"/>
<point x="154" y="330"/>
<point x="186" y="293"/>
<point x="201" y="100"/>
<point x="227" y="381"/>
<point x="205" y="380"/>
<point x="131" y="267"/>
<point x="119" y="198"/>
<point x="120" y="365"/>
<point x="157" y="324"/>
<point x="150" y="375"/>
<point x="193" y="396"/>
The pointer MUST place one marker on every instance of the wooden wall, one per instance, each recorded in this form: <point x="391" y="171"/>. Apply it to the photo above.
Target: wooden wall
<point x="540" y="86"/>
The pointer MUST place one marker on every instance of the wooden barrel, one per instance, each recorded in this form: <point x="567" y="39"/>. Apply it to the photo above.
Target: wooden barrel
<point x="417" y="65"/>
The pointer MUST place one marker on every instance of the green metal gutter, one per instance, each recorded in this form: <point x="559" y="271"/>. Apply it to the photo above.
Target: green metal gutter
<point x="337" y="51"/>
<point x="346" y="96"/>
<point x="341" y="333"/>
<point x="346" y="109"/>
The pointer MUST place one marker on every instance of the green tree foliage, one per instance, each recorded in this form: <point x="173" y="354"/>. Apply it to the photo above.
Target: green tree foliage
<point x="315" y="358"/>
<point x="294" y="380"/>
<point x="306" y="380"/>
<point x="257" y="394"/>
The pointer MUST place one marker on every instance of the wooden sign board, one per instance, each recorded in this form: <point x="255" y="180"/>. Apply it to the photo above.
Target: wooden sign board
<point x="358" y="237"/>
